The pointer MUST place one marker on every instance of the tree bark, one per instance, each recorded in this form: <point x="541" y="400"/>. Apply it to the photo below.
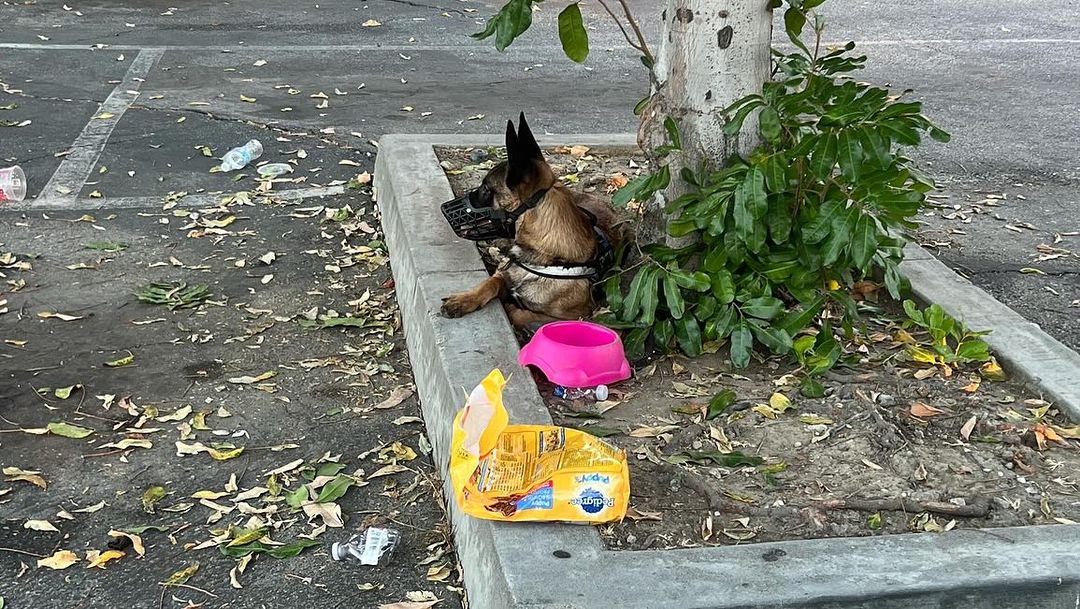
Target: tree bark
<point x="712" y="53"/>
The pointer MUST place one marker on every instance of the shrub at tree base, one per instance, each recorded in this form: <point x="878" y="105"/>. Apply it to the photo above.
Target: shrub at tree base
<point x="785" y="233"/>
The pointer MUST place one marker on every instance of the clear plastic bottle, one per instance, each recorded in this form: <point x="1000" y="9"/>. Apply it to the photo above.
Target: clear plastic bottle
<point x="599" y="393"/>
<point x="12" y="183"/>
<point x="371" y="547"/>
<point x="239" y="157"/>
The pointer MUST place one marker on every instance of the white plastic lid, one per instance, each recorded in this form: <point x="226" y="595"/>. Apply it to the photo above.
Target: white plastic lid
<point x="601" y="393"/>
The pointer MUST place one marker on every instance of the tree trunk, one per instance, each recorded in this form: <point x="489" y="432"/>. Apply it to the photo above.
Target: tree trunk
<point x="712" y="53"/>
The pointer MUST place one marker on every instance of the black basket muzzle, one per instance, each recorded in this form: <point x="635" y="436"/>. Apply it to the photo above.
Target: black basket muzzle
<point x="478" y="223"/>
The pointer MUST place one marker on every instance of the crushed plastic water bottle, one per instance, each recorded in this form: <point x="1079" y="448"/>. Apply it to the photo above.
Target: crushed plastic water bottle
<point x="372" y="546"/>
<point x="12" y="184"/>
<point x="273" y="170"/>
<point x="239" y="157"/>
<point x="599" y="393"/>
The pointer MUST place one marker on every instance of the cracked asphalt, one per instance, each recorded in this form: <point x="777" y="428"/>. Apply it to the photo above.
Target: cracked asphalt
<point x="317" y="86"/>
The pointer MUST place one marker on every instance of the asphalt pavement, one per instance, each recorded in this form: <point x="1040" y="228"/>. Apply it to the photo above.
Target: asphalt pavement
<point x="121" y="105"/>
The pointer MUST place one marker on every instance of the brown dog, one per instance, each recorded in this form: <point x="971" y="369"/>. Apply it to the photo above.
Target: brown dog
<point x="562" y="240"/>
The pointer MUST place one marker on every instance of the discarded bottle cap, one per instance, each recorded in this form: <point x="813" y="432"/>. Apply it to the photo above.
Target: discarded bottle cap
<point x="273" y="170"/>
<point x="601" y="393"/>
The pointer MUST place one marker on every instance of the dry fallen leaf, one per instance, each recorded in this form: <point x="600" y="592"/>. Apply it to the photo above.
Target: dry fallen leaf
<point x="60" y="560"/>
<point x="921" y="409"/>
<point x="634" y="514"/>
<point x="411" y="605"/>
<point x="396" y="397"/>
<point x="651" y="432"/>
<point x="100" y="560"/>
<point x="370" y="23"/>
<point x="872" y="465"/>
<point x="40" y="525"/>
<point x="965" y="431"/>
<point x="60" y="316"/>
<point x="15" y="474"/>
<point x="136" y="541"/>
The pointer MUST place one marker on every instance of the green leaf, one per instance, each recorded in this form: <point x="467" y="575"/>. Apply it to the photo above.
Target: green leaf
<point x="973" y="351"/>
<point x="864" y="240"/>
<point x="139" y="530"/>
<point x="650" y="296"/>
<point x="940" y="135"/>
<point x="721" y="324"/>
<point x="663" y="332"/>
<point x="634" y="343"/>
<point x="776" y="339"/>
<point x="575" y="40"/>
<point x="640" y="106"/>
<point x="849" y="154"/>
<point x="715" y="259"/>
<point x="762" y="307"/>
<point x="723" y="287"/>
<point x="769" y="122"/>
<point x="67" y="430"/>
<point x="823" y="157"/>
<point x="817" y="229"/>
<point x="673" y="297"/>
<point x="798" y="318"/>
<point x="913" y="312"/>
<point x="286" y="551"/>
<point x="812" y="388"/>
<point x="632" y="303"/>
<point x="840" y="238"/>
<point x="779" y="220"/>
<point x="875" y="147"/>
<point x="65" y="392"/>
<point x="510" y="22"/>
<point x="893" y="280"/>
<point x="704" y="457"/>
<point x="794" y="21"/>
<point x="673" y="133"/>
<point x="719" y="403"/>
<point x="736" y="122"/>
<point x="742" y="344"/>
<point x="699" y="282"/>
<point x="613" y="291"/>
<point x="298" y="497"/>
<point x="688" y="335"/>
<point x="335" y="489"/>
<point x="106" y="246"/>
<point x="151" y="497"/>
<point x="123" y="361"/>
<point x="776" y="173"/>
<point x="873" y="521"/>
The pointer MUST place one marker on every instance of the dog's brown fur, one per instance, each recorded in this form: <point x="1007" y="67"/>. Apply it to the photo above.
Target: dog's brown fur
<point x="556" y="231"/>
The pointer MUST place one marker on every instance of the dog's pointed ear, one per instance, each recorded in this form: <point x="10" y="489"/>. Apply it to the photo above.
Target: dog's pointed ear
<point x="526" y="142"/>
<point x="511" y="139"/>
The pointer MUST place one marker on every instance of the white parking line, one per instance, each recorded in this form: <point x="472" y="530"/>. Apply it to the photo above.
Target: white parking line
<point x="63" y="187"/>
<point x="192" y="201"/>
<point x="476" y="47"/>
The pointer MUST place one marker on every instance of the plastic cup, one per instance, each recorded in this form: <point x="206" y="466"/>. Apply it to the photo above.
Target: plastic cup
<point x="12" y="184"/>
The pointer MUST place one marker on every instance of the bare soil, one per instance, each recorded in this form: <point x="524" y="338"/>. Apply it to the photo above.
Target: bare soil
<point x="891" y="448"/>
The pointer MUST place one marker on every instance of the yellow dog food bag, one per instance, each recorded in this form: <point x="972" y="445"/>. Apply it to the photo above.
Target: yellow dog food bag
<point x="532" y="472"/>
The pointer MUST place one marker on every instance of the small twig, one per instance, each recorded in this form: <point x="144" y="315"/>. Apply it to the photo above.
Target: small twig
<point x="18" y="551"/>
<point x="625" y="34"/>
<point x="104" y="454"/>
<point x="637" y="30"/>
<point x="189" y="587"/>
<point x="976" y="508"/>
<point x="139" y="473"/>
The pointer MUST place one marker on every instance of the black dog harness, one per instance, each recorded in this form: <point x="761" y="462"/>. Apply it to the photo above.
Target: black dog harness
<point x="481" y="223"/>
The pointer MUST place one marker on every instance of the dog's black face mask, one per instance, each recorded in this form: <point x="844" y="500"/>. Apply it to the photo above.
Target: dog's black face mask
<point x="474" y="217"/>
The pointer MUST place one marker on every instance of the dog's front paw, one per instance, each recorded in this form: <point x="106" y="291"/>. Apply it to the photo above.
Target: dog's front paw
<point x="458" y="305"/>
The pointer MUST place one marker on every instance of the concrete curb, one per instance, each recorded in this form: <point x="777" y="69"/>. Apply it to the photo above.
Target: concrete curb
<point x="513" y="565"/>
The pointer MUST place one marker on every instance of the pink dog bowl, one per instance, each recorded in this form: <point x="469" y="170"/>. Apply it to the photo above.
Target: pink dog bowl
<point x="577" y="354"/>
